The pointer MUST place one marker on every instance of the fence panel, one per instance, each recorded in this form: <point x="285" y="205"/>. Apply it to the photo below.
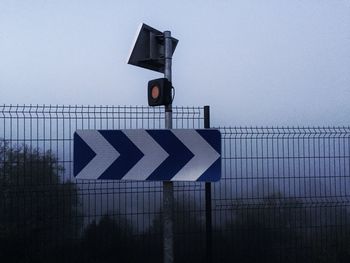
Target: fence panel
<point x="46" y="215"/>
<point x="283" y="196"/>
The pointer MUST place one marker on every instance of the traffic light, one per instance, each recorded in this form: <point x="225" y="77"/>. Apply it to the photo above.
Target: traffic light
<point x="159" y="92"/>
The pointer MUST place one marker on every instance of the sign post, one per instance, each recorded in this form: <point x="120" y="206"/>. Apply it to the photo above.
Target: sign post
<point x="154" y="50"/>
<point x="168" y="187"/>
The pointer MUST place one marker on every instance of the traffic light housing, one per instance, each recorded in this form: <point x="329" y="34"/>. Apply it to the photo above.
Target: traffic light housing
<point x="159" y="92"/>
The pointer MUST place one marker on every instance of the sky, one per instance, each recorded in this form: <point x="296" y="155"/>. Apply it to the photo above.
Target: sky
<point x="256" y="63"/>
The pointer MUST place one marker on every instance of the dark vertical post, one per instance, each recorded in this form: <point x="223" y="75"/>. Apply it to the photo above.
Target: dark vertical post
<point x="208" y="214"/>
<point x="168" y="188"/>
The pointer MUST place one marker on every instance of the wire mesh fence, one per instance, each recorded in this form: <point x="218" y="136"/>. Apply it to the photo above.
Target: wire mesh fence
<point x="283" y="196"/>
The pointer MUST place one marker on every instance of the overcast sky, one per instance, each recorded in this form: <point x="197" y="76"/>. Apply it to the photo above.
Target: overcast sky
<point x="256" y="63"/>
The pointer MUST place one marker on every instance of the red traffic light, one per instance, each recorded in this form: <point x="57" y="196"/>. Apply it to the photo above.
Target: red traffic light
<point x="159" y="92"/>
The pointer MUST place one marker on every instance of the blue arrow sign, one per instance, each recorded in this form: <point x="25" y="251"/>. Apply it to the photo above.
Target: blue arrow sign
<point x="148" y="155"/>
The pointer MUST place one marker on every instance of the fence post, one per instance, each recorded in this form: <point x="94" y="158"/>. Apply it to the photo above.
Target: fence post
<point x="208" y="214"/>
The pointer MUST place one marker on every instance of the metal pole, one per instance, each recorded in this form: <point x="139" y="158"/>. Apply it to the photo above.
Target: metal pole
<point x="168" y="188"/>
<point x="208" y="214"/>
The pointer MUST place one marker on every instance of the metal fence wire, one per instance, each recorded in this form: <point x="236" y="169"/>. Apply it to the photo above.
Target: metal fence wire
<point x="283" y="196"/>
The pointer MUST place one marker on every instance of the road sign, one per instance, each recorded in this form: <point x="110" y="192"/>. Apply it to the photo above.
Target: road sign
<point x="148" y="155"/>
<point x="148" y="49"/>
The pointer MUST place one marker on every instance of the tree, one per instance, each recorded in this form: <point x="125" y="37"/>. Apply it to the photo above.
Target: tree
<point x="39" y="212"/>
<point x="109" y="240"/>
<point x="285" y="229"/>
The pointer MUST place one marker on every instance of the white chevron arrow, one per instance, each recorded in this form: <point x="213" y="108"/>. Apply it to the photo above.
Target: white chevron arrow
<point x="106" y="154"/>
<point x="154" y="155"/>
<point x="204" y="155"/>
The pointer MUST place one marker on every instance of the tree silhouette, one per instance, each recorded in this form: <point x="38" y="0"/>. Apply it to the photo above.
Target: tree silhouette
<point x="39" y="213"/>
<point x="282" y="229"/>
<point x="109" y="240"/>
<point x="40" y="221"/>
